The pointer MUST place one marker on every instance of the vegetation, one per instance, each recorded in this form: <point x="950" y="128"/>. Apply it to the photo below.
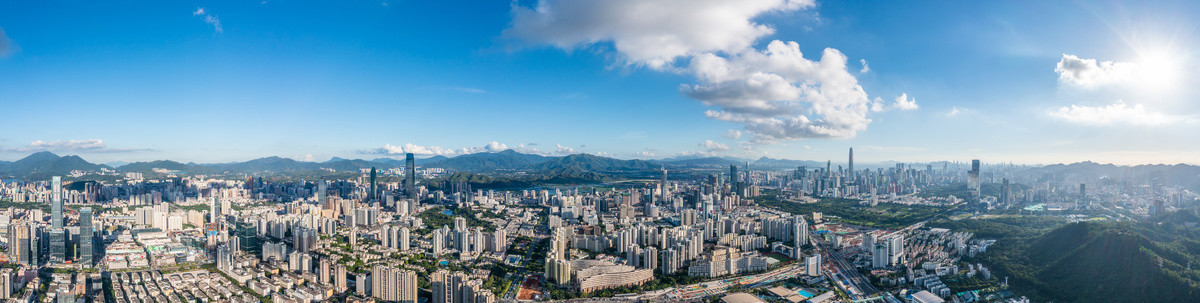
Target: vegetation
<point x="884" y="215"/>
<point x="1048" y="259"/>
<point x="434" y="219"/>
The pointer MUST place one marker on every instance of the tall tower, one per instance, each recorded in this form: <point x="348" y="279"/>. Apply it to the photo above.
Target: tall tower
<point x="85" y="236"/>
<point x="214" y="210"/>
<point x="734" y="185"/>
<point x="56" y="203"/>
<point x="410" y="175"/>
<point x="371" y="196"/>
<point x="58" y="239"/>
<point x="973" y="176"/>
<point x="666" y="193"/>
<point x="322" y="190"/>
<point x="850" y="173"/>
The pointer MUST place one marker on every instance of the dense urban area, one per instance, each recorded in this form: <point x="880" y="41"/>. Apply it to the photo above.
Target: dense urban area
<point x="509" y="227"/>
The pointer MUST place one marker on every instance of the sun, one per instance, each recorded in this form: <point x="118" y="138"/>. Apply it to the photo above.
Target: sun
<point x="1158" y="70"/>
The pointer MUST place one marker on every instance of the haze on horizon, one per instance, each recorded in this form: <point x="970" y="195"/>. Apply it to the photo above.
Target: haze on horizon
<point x="1026" y="83"/>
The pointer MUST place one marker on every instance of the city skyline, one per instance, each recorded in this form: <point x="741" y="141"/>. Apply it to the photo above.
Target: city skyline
<point x="221" y="82"/>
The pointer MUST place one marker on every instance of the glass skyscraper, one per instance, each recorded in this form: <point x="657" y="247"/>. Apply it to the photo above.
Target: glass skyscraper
<point x="58" y="239"/>
<point x="85" y="236"/>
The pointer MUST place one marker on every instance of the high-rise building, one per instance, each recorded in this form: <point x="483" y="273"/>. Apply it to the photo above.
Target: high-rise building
<point x="734" y="184"/>
<point x="56" y="203"/>
<point x="392" y="284"/>
<point x="799" y="234"/>
<point x="323" y="274"/>
<point x="58" y="239"/>
<point x="814" y="265"/>
<point x="362" y="284"/>
<point x="896" y="250"/>
<point x="322" y="191"/>
<point x="371" y="196"/>
<point x="340" y="284"/>
<point x="215" y="212"/>
<point x="665" y="190"/>
<point x="850" y="168"/>
<point x="402" y="239"/>
<point x="19" y="239"/>
<point x="7" y="277"/>
<point x="973" y="177"/>
<point x="410" y="176"/>
<point x="85" y="236"/>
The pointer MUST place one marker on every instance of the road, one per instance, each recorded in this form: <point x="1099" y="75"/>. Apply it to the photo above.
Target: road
<point x="858" y="284"/>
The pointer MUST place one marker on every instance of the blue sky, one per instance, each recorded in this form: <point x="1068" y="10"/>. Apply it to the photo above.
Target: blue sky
<point x="1015" y="81"/>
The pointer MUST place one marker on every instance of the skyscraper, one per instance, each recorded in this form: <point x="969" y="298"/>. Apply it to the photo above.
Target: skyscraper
<point x="56" y="203"/>
<point x="734" y="185"/>
<point x="666" y="193"/>
<point x="322" y="191"/>
<point x="410" y="176"/>
<point x="214" y="211"/>
<point x="973" y="177"/>
<point x="371" y="196"/>
<point x="19" y="244"/>
<point x="85" y="236"/>
<point x="58" y="239"/>
<point x="850" y="168"/>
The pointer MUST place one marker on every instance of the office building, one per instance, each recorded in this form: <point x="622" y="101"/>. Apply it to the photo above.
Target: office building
<point x="410" y="176"/>
<point x="58" y="238"/>
<point x="85" y="237"/>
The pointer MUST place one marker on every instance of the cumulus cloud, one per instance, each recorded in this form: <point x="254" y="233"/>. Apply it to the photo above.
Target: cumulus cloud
<point x="903" y="102"/>
<point x="564" y="150"/>
<point x="651" y="33"/>
<point x="865" y="68"/>
<point x="776" y="93"/>
<point x="389" y="149"/>
<point x="1092" y="73"/>
<point x="714" y="146"/>
<point x="733" y="134"/>
<point x="1116" y="113"/>
<point x="209" y="18"/>
<point x="79" y="146"/>
<point x="644" y="154"/>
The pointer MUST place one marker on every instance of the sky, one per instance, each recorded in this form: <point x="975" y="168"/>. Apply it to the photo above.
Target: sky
<point x="1029" y="82"/>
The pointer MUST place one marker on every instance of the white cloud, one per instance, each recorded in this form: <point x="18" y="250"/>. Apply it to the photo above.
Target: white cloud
<point x="779" y="95"/>
<point x="956" y="111"/>
<point x="1116" y="113"/>
<point x="865" y="68"/>
<point x="209" y="18"/>
<point x="80" y="146"/>
<point x="651" y="33"/>
<point x="776" y="93"/>
<point x="905" y="103"/>
<point x="68" y="144"/>
<point x="306" y="158"/>
<point x="644" y="154"/>
<point x="733" y="134"/>
<point x="564" y="150"/>
<point x="713" y="146"/>
<point x="389" y="149"/>
<point x="1092" y="73"/>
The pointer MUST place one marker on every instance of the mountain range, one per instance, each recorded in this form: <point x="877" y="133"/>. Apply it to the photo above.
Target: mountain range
<point x="41" y="165"/>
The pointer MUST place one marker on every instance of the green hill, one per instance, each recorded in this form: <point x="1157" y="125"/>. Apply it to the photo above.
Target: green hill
<point x="1098" y="262"/>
